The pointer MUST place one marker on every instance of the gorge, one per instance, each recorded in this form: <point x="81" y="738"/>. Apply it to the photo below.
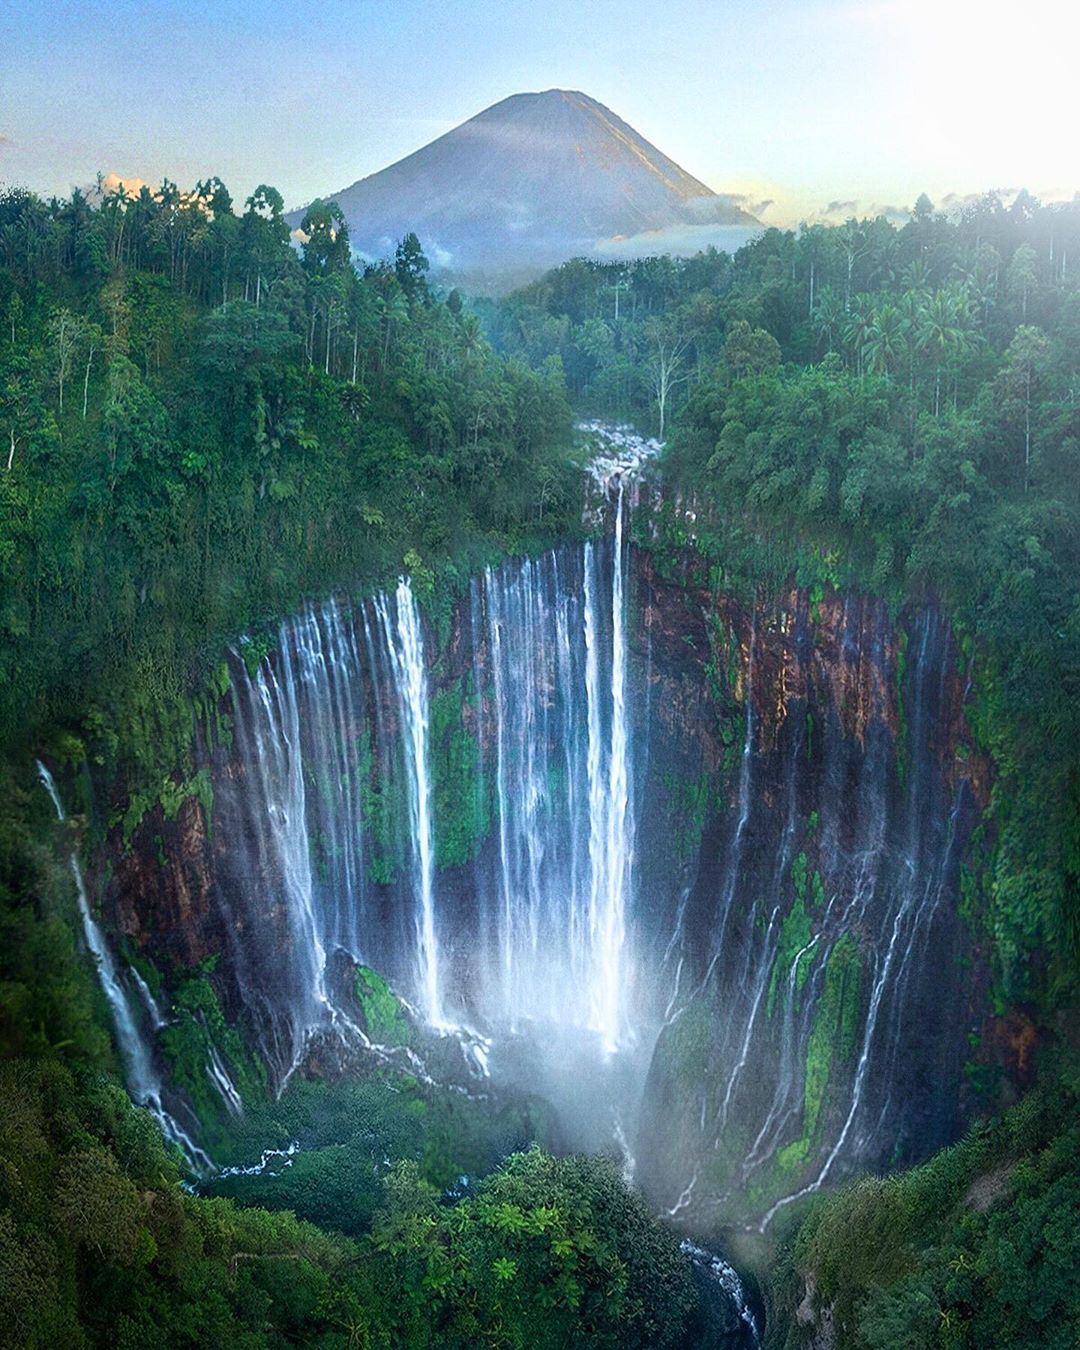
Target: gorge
<point x="684" y="858"/>
<point x="537" y="888"/>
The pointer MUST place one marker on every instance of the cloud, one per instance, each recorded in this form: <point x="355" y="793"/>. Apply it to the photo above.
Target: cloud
<point x="109" y="182"/>
<point x="710" y="210"/>
<point x="681" y="241"/>
<point x="954" y="202"/>
<point x="440" y="258"/>
<point x="837" y="211"/>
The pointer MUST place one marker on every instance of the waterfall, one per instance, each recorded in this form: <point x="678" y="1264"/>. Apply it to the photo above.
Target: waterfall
<point x="271" y="710"/>
<point x="725" y="1277"/>
<point x="583" y="806"/>
<point x="555" y="643"/>
<point x="333" y="802"/>
<point x="611" y="828"/>
<point x="143" y="1081"/>
<point x="820" y="913"/>
<point x="406" y="645"/>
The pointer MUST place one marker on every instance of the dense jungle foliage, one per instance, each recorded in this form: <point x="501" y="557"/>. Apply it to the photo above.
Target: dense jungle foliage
<point x="201" y="423"/>
<point x="99" y="1245"/>
<point x="975" y="1248"/>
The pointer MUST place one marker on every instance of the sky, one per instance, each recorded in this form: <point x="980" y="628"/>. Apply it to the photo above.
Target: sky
<point x="805" y="108"/>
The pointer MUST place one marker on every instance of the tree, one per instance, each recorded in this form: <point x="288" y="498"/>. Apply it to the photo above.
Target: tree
<point x="748" y="350"/>
<point x="411" y="267"/>
<point x="90" y="342"/>
<point x="20" y="404"/>
<point x="942" y="333"/>
<point x="1022" y="277"/>
<point x="14" y="314"/>
<point x="813" y="245"/>
<point x="63" y="342"/>
<point x="852" y="246"/>
<point x="665" y="366"/>
<point x="1017" y="386"/>
<point x="264" y="236"/>
<point x="828" y="318"/>
<point x="326" y="239"/>
<point x="885" y="340"/>
<point x="857" y="329"/>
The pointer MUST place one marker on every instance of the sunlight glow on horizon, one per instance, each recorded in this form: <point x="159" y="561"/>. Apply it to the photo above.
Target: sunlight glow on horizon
<point x="820" y="108"/>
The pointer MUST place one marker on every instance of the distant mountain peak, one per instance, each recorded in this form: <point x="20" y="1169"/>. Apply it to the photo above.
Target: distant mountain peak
<point x="531" y="181"/>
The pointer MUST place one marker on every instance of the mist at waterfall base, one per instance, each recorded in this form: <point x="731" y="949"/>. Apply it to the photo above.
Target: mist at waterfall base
<point x="522" y="950"/>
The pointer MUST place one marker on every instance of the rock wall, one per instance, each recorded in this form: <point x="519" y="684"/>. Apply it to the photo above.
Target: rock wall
<point x="802" y="793"/>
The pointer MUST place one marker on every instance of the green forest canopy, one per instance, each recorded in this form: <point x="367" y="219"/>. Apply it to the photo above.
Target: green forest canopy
<point x="200" y="423"/>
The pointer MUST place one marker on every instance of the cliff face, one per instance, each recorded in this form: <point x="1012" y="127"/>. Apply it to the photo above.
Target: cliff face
<point x="782" y="876"/>
<point x="820" y="994"/>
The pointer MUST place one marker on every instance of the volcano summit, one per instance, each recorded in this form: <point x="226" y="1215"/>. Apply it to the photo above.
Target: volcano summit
<point x="532" y="181"/>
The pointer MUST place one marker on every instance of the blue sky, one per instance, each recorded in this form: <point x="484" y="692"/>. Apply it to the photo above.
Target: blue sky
<point x="807" y="104"/>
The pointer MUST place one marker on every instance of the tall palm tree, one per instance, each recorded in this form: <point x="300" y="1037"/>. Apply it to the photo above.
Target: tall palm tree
<point x="857" y="328"/>
<point x="829" y="318"/>
<point x="885" y="340"/>
<point x="945" y="331"/>
<point x="910" y="306"/>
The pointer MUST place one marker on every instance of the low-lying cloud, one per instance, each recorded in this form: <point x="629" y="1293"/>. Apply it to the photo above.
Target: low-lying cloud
<point x="681" y="241"/>
<point x="713" y="209"/>
<point x="839" y="210"/>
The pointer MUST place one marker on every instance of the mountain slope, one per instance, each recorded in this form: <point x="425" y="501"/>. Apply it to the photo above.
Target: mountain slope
<point x="529" y="182"/>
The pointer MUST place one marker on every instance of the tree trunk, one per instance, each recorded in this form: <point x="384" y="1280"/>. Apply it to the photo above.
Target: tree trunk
<point x="86" y="383"/>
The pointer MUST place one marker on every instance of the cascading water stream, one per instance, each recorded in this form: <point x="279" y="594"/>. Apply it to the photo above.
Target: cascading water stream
<point x="143" y="1081"/>
<point x="619" y="832"/>
<point x="406" y="645"/>
<point x="478" y="809"/>
<point x="335" y="729"/>
<point x="610" y="825"/>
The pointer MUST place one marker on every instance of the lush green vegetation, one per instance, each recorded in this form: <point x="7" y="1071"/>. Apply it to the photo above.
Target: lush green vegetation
<point x="976" y="1248"/>
<point x="898" y="410"/>
<point x="200" y="424"/>
<point x="99" y="1245"/>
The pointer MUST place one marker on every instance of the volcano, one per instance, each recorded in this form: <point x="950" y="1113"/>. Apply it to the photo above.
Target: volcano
<point x="532" y="181"/>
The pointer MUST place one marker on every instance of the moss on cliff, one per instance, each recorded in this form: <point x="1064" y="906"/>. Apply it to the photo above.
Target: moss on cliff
<point x="382" y="807"/>
<point x="197" y="1031"/>
<point x="461" y="807"/>
<point x="383" y="1014"/>
<point x="689" y="804"/>
<point x="832" y="1038"/>
<point x="795" y="938"/>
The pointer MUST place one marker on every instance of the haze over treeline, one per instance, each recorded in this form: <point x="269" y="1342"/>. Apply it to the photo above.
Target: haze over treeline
<point x="801" y="105"/>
